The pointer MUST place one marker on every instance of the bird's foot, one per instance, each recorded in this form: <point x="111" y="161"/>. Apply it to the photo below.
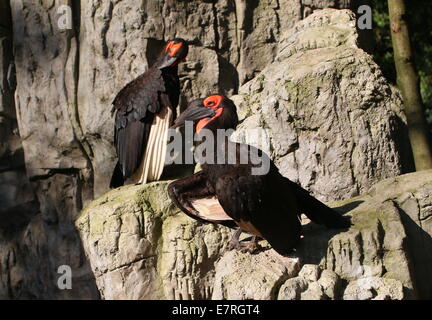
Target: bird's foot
<point x="234" y="243"/>
<point x="250" y="246"/>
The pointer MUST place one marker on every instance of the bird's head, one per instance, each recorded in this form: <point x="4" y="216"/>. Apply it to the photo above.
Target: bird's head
<point x="213" y="112"/>
<point x="173" y="53"/>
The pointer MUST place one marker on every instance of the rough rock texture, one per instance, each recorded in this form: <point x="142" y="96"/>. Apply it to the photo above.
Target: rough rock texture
<point x="141" y="247"/>
<point x="122" y="231"/>
<point x="373" y="288"/>
<point x="232" y="41"/>
<point x="66" y="80"/>
<point x="55" y="159"/>
<point x="18" y="203"/>
<point x="331" y="121"/>
<point x="15" y="190"/>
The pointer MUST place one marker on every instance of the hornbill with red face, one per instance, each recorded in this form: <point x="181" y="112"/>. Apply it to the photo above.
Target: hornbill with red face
<point x="265" y="205"/>
<point x="146" y="107"/>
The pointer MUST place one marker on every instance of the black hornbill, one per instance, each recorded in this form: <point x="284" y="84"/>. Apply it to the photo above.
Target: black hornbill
<point x="266" y="205"/>
<point x="146" y="107"/>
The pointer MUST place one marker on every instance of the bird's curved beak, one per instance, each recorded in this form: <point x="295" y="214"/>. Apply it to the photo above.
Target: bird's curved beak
<point x="167" y="61"/>
<point x="193" y="113"/>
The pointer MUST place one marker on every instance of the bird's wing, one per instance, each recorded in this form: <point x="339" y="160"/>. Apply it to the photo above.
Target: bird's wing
<point x="136" y="104"/>
<point x="241" y="196"/>
<point x="260" y="206"/>
<point x="195" y="197"/>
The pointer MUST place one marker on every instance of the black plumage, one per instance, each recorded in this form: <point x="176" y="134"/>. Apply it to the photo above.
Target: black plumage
<point x="266" y="205"/>
<point x="137" y="104"/>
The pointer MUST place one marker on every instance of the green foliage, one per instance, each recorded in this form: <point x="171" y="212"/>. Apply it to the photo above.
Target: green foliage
<point x="419" y="17"/>
<point x="383" y="50"/>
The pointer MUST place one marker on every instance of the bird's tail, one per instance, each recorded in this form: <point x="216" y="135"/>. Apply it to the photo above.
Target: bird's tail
<point x="117" y="179"/>
<point x="317" y="211"/>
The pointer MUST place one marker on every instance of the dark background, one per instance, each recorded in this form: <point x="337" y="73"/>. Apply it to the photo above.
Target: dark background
<point x="419" y="17"/>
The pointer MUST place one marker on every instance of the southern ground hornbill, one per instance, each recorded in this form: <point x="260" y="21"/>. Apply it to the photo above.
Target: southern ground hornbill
<point x="146" y="107"/>
<point x="265" y="205"/>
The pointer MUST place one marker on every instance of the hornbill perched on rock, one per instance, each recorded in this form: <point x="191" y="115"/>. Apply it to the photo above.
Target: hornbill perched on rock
<point x="267" y="205"/>
<point x="146" y="107"/>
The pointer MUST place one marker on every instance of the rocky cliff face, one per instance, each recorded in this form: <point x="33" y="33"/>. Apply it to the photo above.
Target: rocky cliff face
<point x="65" y="81"/>
<point x="332" y="123"/>
<point x="141" y="247"/>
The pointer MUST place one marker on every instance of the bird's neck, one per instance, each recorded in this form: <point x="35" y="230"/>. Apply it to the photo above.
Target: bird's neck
<point x="214" y="151"/>
<point x="172" y="70"/>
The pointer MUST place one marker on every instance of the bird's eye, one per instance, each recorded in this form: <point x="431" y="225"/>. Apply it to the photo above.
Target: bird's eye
<point x="213" y="101"/>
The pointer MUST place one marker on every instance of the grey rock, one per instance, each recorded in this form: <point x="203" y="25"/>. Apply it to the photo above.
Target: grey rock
<point x="330" y="284"/>
<point x="65" y="82"/>
<point x="292" y="289"/>
<point x="141" y="247"/>
<point x="18" y="203"/>
<point x="310" y="272"/>
<point x="313" y="292"/>
<point x="311" y="283"/>
<point x="330" y="120"/>
<point x="14" y="185"/>
<point x="244" y="276"/>
<point x="373" y="288"/>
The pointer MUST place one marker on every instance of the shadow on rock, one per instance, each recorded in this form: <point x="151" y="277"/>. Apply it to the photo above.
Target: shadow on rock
<point x="314" y="244"/>
<point x="420" y="248"/>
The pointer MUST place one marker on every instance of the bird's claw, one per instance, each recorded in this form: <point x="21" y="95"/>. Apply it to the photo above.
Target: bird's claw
<point x="251" y="246"/>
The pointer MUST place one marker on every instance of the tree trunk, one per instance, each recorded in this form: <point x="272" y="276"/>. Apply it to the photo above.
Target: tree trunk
<point x="408" y="82"/>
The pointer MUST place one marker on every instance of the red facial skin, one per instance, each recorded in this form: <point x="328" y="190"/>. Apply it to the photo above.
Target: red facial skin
<point x="210" y="102"/>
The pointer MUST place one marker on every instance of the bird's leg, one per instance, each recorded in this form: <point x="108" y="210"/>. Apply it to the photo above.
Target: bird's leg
<point x="250" y="246"/>
<point x="235" y="240"/>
